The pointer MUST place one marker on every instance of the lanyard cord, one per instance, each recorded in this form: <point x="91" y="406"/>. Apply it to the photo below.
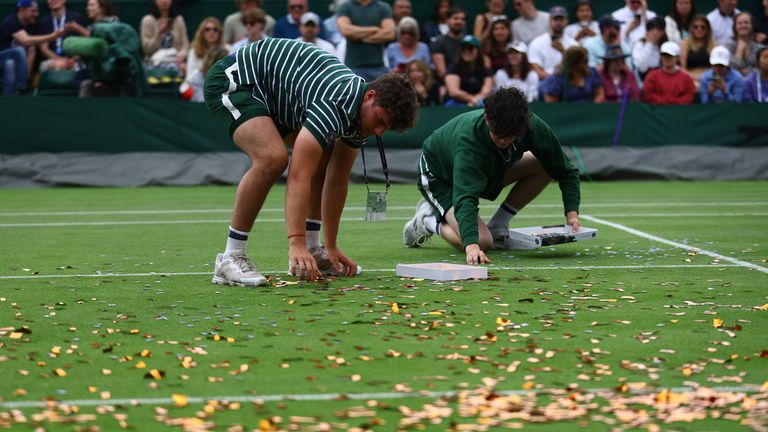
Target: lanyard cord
<point x="383" y="164"/>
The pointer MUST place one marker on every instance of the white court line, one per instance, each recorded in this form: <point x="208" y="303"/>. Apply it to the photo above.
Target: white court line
<point x="353" y="208"/>
<point x="389" y="270"/>
<point x="348" y="219"/>
<point x="674" y="243"/>
<point x="747" y="388"/>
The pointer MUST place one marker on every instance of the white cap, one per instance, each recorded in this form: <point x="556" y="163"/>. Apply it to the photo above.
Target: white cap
<point x="518" y="46"/>
<point x="720" y="56"/>
<point x="310" y="17"/>
<point x="670" y="48"/>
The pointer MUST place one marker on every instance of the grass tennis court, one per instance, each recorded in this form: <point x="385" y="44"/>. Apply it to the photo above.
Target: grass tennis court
<point x="106" y="306"/>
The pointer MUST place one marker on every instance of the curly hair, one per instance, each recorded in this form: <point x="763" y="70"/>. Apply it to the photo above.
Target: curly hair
<point x="506" y="111"/>
<point x="395" y="93"/>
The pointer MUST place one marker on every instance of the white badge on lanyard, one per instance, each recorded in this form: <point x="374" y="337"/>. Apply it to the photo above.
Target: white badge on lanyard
<point x="376" y="202"/>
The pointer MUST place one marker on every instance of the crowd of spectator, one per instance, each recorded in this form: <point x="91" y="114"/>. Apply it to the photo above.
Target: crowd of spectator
<point x="677" y="56"/>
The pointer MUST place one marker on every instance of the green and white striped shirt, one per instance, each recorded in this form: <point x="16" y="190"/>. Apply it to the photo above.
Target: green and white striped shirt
<point x="303" y="86"/>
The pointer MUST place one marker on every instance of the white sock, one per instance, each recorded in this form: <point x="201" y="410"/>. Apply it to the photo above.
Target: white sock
<point x="236" y="241"/>
<point x="502" y="216"/>
<point x="313" y="233"/>
<point x="432" y="225"/>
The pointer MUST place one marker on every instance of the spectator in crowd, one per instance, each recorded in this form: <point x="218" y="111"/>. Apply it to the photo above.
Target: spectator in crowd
<point x="531" y="22"/>
<point x="645" y="53"/>
<point x="368" y="27"/>
<point x="164" y="37"/>
<point x="618" y="81"/>
<point x="310" y="29"/>
<point x="468" y="82"/>
<point x="721" y="83"/>
<point x="679" y="20"/>
<point x="18" y="46"/>
<point x="287" y="27"/>
<point x="574" y="80"/>
<point x="445" y="49"/>
<point x="694" y="51"/>
<point x="761" y="24"/>
<point x="196" y="80"/>
<point x="585" y="25"/>
<point x="495" y="46"/>
<point x="484" y="21"/>
<point x="743" y="47"/>
<point x="633" y="17"/>
<point x="407" y="48"/>
<point x="756" y="83"/>
<point x="424" y="83"/>
<point x="669" y="85"/>
<point x="207" y="37"/>
<point x="518" y="72"/>
<point x="721" y="21"/>
<point x="400" y="10"/>
<point x="254" y="21"/>
<point x="610" y="31"/>
<point x="97" y="11"/>
<point x="233" y="23"/>
<point x="438" y="25"/>
<point x="52" y="53"/>
<point x="331" y="28"/>
<point x="546" y="51"/>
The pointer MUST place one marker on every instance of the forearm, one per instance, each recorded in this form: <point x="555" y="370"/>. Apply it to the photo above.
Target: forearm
<point x="380" y="36"/>
<point x="357" y="33"/>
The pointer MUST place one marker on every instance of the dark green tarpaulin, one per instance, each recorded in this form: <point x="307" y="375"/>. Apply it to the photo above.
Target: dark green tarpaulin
<point x="62" y="124"/>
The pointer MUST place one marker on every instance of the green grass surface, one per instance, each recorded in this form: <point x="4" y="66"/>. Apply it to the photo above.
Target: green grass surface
<point x="95" y="277"/>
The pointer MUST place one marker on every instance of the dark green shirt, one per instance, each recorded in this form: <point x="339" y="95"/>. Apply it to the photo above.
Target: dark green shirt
<point x="360" y="54"/>
<point x="462" y="154"/>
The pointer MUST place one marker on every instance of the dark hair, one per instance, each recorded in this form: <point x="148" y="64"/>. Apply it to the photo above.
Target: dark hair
<point x="506" y="111"/>
<point x="491" y="47"/>
<point x="525" y="67"/>
<point x="436" y="10"/>
<point x="396" y="94"/>
<point x="454" y="10"/>
<point x="173" y="10"/>
<point x="757" y="59"/>
<point x="682" y="22"/>
<point x="107" y="7"/>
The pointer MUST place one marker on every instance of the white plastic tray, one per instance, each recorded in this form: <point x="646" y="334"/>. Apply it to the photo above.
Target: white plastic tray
<point x="442" y="271"/>
<point x="538" y="236"/>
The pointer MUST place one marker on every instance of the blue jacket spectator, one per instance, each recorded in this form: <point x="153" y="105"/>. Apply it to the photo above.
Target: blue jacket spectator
<point x="720" y="83"/>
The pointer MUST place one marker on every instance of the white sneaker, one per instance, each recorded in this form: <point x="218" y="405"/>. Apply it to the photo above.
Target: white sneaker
<point x="237" y="269"/>
<point x="324" y="264"/>
<point x="415" y="232"/>
<point x="500" y="236"/>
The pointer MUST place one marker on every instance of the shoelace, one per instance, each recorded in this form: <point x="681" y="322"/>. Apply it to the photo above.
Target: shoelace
<point x="244" y="263"/>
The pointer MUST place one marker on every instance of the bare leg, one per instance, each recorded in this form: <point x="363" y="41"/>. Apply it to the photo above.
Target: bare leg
<point x="531" y="180"/>
<point x="449" y="231"/>
<point x="259" y="139"/>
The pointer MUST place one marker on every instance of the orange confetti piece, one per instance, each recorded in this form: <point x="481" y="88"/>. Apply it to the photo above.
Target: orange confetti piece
<point x="141" y="365"/>
<point x="16" y="335"/>
<point x="395" y="308"/>
<point x="230" y="339"/>
<point x="60" y="372"/>
<point x="687" y="371"/>
<point x="179" y="400"/>
<point x="156" y="374"/>
<point x="717" y="322"/>
<point x="92" y="389"/>
<point x="145" y="353"/>
<point x="528" y="385"/>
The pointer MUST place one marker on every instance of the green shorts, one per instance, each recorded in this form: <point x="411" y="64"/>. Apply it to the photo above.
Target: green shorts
<point x="230" y="102"/>
<point x="437" y="192"/>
